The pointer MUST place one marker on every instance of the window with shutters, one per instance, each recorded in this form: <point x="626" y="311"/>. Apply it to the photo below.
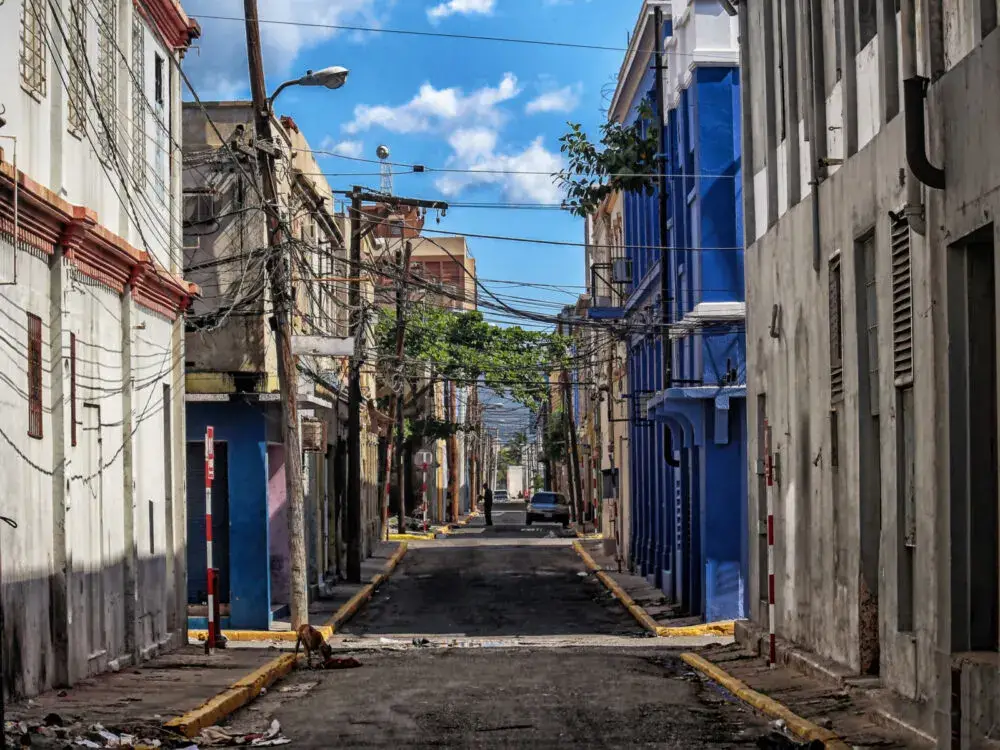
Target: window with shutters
<point x="107" y="76"/>
<point x="76" y="92"/>
<point x="34" y="376"/>
<point x="139" y="110"/>
<point x="871" y="321"/>
<point x="836" y="332"/>
<point x="902" y="303"/>
<point x="34" y="19"/>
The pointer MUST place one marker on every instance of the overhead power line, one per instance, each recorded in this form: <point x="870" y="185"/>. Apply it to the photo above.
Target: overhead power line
<point x="414" y="32"/>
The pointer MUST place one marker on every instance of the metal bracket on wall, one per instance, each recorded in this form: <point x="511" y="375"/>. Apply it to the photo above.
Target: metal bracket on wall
<point x="776" y="468"/>
<point x="775" y="321"/>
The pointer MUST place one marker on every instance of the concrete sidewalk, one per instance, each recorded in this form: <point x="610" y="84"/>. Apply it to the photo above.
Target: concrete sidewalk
<point x="650" y="599"/>
<point x="147" y="695"/>
<point x="852" y="717"/>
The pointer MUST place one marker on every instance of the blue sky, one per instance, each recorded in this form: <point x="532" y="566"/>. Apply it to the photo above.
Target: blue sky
<point x="441" y="103"/>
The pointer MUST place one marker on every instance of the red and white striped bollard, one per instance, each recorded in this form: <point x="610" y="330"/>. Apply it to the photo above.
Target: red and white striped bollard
<point x="769" y="474"/>
<point x="209" y="476"/>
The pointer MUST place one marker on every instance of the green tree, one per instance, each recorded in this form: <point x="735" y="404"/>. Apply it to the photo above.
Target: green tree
<point x="625" y="162"/>
<point x="465" y="348"/>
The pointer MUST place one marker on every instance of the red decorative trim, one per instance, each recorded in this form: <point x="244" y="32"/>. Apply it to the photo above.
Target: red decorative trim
<point x="169" y="17"/>
<point x="45" y="220"/>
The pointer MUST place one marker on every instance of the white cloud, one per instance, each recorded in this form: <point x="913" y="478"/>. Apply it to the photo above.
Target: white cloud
<point x="565" y="99"/>
<point x="523" y="176"/>
<point x="344" y="148"/>
<point x="463" y="7"/>
<point x="219" y="66"/>
<point x="433" y="108"/>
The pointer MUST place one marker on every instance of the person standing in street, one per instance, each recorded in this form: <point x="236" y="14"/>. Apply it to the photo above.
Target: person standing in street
<point x="488" y="504"/>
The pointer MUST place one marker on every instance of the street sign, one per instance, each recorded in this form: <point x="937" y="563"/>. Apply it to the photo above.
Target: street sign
<point x="324" y="346"/>
<point x="423" y="458"/>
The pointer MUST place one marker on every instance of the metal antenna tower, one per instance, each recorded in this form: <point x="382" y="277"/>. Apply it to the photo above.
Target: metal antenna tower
<point x="385" y="169"/>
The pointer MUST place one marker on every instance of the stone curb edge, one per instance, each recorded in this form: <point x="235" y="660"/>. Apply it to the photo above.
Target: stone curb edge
<point x="796" y="724"/>
<point x="641" y="615"/>
<point x="244" y="690"/>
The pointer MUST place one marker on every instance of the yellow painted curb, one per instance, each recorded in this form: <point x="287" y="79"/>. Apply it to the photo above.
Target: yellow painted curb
<point x="250" y="686"/>
<point x="410" y="537"/>
<point x="283" y="636"/>
<point x="796" y="724"/>
<point x="641" y="615"/>
<point x="235" y="697"/>
<point x="708" y="628"/>
<point x="349" y="608"/>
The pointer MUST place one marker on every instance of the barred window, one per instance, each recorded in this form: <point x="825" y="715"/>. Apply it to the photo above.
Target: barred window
<point x="162" y="129"/>
<point x="107" y="74"/>
<point x="34" y="376"/>
<point x="34" y="19"/>
<point x="139" y="109"/>
<point x="77" y="92"/>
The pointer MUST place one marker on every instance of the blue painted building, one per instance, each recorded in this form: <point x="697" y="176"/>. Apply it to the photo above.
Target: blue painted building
<point x="688" y="440"/>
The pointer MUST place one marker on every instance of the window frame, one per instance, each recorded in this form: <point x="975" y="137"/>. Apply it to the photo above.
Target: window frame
<point x="36" y="428"/>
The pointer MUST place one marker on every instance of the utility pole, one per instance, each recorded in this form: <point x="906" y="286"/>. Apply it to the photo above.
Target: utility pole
<point x="453" y="451"/>
<point x="661" y="189"/>
<point x="404" y="265"/>
<point x="354" y="400"/>
<point x="573" y="470"/>
<point x="281" y="299"/>
<point x="354" y="525"/>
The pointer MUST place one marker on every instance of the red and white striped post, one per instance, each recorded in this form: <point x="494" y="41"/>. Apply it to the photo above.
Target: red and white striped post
<point x="769" y="476"/>
<point x="209" y="476"/>
<point x="423" y="493"/>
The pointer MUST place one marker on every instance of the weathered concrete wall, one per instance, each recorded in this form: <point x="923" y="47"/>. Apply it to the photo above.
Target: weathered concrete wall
<point x="825" y="512"/>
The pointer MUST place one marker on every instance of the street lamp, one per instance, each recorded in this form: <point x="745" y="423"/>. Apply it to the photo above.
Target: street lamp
<point x="332" y="78"/>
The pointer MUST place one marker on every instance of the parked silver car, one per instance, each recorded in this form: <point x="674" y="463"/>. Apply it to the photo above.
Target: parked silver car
<point x="548" y="506"/>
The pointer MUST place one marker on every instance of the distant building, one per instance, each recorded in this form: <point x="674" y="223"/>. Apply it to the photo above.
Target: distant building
<point x="445" y="272"/>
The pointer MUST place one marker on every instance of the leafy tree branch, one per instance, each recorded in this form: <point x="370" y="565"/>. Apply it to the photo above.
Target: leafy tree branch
<point x="625" y="162"/>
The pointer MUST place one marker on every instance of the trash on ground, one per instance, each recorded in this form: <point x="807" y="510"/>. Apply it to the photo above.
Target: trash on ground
<point x="219" y="737"/>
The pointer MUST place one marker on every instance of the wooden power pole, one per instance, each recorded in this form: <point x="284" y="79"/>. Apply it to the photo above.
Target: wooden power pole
<point x="353" y="521"/>
<point x="281" y="299"/>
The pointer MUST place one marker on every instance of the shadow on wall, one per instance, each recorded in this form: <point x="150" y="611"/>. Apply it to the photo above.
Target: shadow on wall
<point x="95" y="632"/>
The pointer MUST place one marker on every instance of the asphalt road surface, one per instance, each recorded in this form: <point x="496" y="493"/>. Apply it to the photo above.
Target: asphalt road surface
<point x="493" y="638"/>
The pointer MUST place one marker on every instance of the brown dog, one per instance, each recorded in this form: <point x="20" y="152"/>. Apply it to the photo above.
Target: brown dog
<point x="312" y="640"/>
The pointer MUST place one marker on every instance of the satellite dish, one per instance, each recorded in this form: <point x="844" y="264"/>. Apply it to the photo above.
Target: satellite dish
<point x="382" y="152"/>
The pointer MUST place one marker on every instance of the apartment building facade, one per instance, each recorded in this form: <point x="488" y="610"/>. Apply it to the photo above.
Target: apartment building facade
<point x="92" y="303"/>
<point x="231" y="367"/>
<point x="870" y="198"/>
<point x="678" y="292"/>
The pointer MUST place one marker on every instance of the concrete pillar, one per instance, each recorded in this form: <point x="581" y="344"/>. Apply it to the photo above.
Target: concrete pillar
<point x="130" y="593"/>
<point x="61" y="439"/>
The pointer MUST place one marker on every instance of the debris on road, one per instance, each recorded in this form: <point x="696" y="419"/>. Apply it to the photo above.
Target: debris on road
<point x="219" y="737"/>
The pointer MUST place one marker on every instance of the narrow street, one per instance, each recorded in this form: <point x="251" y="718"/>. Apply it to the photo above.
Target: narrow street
<point x="521" y="651"/>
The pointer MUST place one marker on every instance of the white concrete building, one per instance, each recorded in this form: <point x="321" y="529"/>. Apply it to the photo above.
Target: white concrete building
<point x="872" y="341"/>
<point x="91" y="366"/>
